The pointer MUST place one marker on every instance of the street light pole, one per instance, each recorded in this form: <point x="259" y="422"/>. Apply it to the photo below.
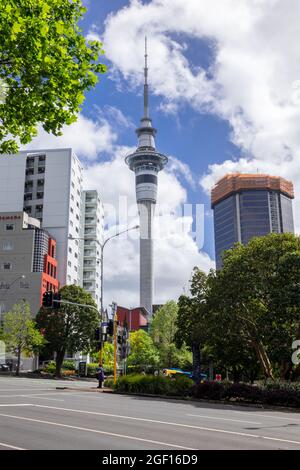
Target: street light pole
<point x="102" y="246"/>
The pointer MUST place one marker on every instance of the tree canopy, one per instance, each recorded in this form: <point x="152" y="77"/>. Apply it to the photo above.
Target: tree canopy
<point x="163" y="332"/>
<point x="142" y="350"/>
<point x="71" y="328"/>
<point x="46" y="65"/>
<point x="19" y="332"/>
<point x="248" y="312"/>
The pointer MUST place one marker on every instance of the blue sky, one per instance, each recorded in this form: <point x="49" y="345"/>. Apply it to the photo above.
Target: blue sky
<point x="225" y="97"/>
<point x="196" y="139"/>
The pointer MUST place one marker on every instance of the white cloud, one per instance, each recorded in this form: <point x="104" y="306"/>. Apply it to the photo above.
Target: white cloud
<point x="87" y="137"/>
<point x="175" y="251"/>
<point x="243" y="165"/>
<point x="252" y="82"/>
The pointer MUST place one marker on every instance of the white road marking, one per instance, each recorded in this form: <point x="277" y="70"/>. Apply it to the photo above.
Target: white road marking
<point x="224" y="419"/>
<point x="168" y="423"/>
<point x="29" y="395"/>
<point x="41" y="397"/>
<point x="269" y="416"/>
<point x="96" y="431"/>
<point x="10" y="447"/>
<point x="16" y="404"/>
<point x="28" y="389"/>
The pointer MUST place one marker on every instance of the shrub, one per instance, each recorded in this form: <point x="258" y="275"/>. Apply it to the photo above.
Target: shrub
<point x="50" y="367"/>
<point x="208" y="390"/>
<point x="69" y="365"/>
<point x="109" y="383"/>
<point x="155" y="385"/>
<point x="283" y="394"/>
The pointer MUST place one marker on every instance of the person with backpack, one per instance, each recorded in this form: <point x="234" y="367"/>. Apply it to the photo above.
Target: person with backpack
<point x="101" y="376"/>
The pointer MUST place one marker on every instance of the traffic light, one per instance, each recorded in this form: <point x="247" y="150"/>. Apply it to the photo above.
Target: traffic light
<point x="56" y="301"/>
<point x="47" y="299"/>
<point x="110" y="328"/>
<point x="97" y="335"/>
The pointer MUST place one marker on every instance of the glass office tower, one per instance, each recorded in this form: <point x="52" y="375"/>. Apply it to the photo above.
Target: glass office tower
<point x="249" y="205"/>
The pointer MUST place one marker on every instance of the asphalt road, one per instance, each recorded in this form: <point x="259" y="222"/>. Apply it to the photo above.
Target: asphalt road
<point x="35" y="415"/>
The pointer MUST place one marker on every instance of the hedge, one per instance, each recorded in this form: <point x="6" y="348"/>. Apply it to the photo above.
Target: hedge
<point x="283" y="394"/>
<point x="156" y="385"/>
<point x="278" y="394"/>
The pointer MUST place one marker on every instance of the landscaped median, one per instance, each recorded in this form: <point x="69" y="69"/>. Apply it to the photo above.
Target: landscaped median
<point x="270" y="393"/>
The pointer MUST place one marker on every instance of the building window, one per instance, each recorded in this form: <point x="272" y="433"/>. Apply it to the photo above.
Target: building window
<point x="70" y="249"/>
<point x="40" y="195"/>
<point x="7" y="245"/>
<point x="76" y="255"/>
<point x="7" y="266"/>
<point x="29" y="171"/>
<point x="72" y="197"/>
<point x="75" y="267"/>
<point x="40" y="182"/>
<point x="9" y="227"/>
<point x="41" y="170"/>
<point x="69" y="264"/>
<point x="72" y="210"/>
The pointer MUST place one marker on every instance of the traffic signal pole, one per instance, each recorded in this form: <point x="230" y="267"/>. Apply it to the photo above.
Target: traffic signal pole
<point x="115" y="346"/>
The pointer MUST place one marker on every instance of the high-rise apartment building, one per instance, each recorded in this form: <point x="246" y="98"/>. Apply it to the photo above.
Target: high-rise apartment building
<point x="28" y="265"/>
<point x="93" y="236"/>
<point x="248" y="205"/>
<point x="47" y="185"/>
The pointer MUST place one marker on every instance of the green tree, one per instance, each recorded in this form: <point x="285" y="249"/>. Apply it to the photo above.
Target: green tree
<point x="256" y="296"/>
<point x="142" y="350"/>
<point x="192" y="320"/>
<point x="19" y="332"/>
<point x="163" y="330"/>
<point x="72" y="327"/>
<point x="46" y="65"/>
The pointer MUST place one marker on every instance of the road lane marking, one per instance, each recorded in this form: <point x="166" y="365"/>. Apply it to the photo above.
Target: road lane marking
<point x="10" y="446"/>
<point x="28" y="389"/>
<point x="270" y="416"/>
<point x="168" y="423"/>
<point x="96" y="431"/>
<point x="40" y="397"/>
<point x="224" y="419"/>
<point x="30" y="395"/>
<point x="16" y="404"/>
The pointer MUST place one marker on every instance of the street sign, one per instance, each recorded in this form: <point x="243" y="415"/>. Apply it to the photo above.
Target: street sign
<point x="218" y="378"/>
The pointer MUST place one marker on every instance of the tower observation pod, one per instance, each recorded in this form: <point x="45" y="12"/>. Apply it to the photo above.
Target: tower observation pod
<point x="146" y="162"/>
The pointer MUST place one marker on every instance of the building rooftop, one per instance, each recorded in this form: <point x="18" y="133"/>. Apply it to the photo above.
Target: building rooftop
<point x="236" y="182"/>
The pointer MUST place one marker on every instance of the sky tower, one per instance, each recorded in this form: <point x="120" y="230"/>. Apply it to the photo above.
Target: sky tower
<point x="146" y="162"/>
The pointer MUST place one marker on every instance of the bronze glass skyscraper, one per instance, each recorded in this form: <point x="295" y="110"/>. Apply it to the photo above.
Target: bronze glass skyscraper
<point x="248" y="205"/>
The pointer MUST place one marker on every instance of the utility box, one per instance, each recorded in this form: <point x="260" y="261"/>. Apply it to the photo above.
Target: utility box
<point x="82" y="369"/>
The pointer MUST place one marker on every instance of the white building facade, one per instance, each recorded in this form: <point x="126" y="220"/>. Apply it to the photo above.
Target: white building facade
<point x="47" y="185"/>
<point x="93" y="238"/>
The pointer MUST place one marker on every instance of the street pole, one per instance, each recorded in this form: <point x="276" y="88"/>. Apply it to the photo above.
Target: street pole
<point x="102" y="246"/>
<point x="115" y="346"/>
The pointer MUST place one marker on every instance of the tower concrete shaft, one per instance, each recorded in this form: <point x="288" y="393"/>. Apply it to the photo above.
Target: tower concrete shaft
<point x="146" y="162"/>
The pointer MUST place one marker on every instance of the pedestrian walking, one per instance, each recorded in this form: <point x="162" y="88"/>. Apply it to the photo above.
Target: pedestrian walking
<point x="101" y="376"/>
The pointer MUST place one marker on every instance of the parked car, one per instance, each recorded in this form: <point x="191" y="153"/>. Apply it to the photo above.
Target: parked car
<point x="173" y="371"/>
<point x="4" y="367"/>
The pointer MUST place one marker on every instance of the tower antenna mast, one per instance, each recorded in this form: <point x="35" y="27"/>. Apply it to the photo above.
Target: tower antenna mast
<point x="146" y="88"/>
